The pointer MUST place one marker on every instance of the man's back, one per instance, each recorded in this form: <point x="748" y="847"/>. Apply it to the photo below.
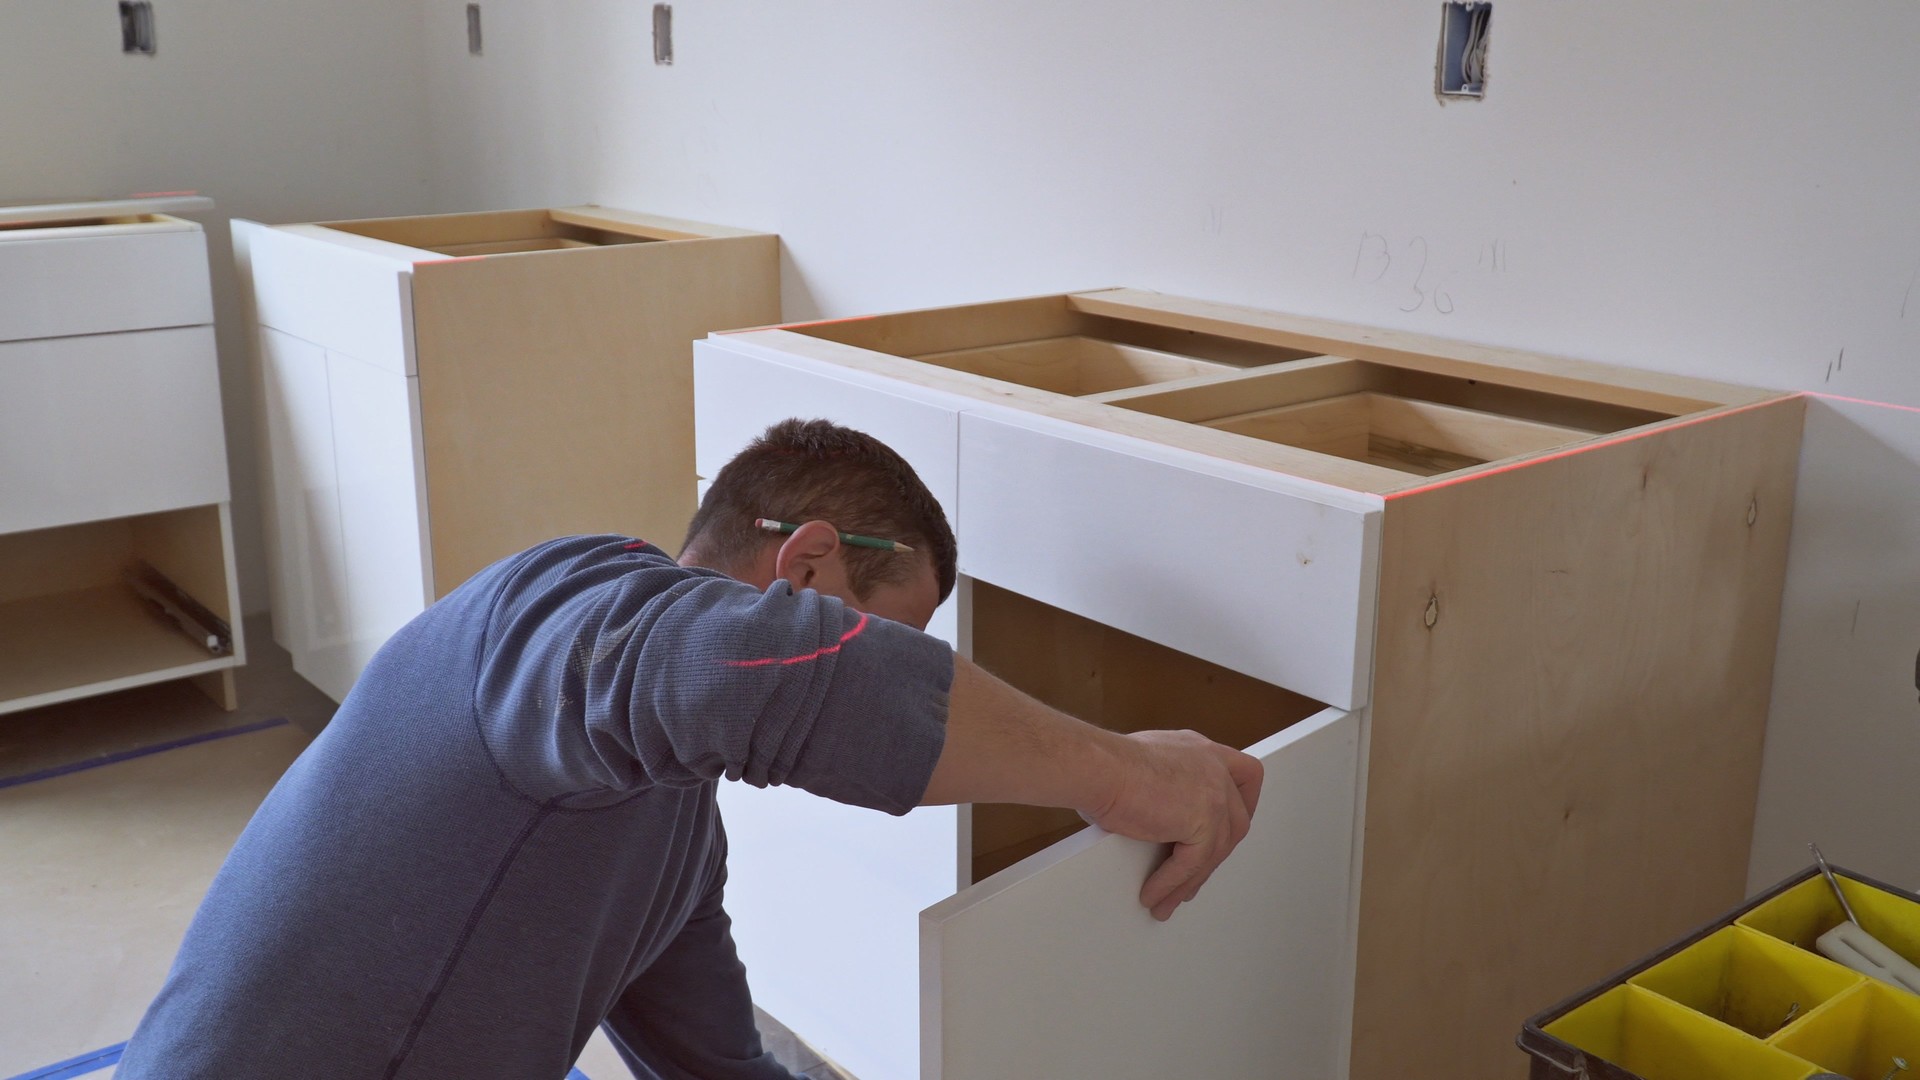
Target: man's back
<point x="509" y="820"/>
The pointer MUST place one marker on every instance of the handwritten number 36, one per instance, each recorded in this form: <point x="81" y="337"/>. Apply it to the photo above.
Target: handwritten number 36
<point x="1375" y="251"/>
<point x="1442" y="300"/>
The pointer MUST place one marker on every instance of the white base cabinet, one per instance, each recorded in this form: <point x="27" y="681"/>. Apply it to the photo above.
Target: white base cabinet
<point x="442" y="392"/>
<point x="981" y="942"/>
<point x="1458" y="599"/>
<point x="113" y="463"/>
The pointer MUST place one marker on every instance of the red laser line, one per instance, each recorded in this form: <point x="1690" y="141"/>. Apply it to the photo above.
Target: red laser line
<point x="1571" y="451"/>
<point x="814" y="655"/>
<point x="1863" y="401"/>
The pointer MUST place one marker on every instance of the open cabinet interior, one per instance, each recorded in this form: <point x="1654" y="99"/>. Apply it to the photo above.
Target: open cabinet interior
<point x="71" y="614"/>
<point x="83" y="222"/>
<point x="1110" y="678"/>
<point x="1047" y="345"/>
<point x="506" y="232"/>
<point x="1402" y="419"/>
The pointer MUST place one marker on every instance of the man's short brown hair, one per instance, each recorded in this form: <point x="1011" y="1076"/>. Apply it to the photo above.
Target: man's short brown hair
<point x="815" y="470"/>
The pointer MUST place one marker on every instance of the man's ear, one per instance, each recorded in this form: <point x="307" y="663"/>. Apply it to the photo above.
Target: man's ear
<point x="802" y="558"/>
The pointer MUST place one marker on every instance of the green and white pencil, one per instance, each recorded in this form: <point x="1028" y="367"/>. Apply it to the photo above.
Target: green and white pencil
<point x="854" y="539"/>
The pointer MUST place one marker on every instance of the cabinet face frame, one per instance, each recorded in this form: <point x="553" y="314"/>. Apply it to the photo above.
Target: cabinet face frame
<point x="834" y="961"/>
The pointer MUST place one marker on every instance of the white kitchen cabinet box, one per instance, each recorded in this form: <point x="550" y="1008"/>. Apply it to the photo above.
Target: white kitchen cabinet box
<point x="440" y="392"/>
<point x="1538" y="595"/>
<point x="116" y="550"/>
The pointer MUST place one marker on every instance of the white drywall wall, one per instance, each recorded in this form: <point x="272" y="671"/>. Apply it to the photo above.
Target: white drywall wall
<point x="278" y="111"/>
<point x="1711" y="189"/>
<point x="1719" y="190"/>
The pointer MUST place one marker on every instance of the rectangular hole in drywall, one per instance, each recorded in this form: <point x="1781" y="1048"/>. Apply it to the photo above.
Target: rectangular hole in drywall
<point x="663" y="33"/>
<point x="473" y="29"/>
<point x="1462" y="68"/>
<point x="136" y="27"/>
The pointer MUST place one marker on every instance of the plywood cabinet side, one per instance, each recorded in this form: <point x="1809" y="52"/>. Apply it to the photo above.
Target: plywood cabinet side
<point x="1572" y="666"/>
<point x="556" y="394"/>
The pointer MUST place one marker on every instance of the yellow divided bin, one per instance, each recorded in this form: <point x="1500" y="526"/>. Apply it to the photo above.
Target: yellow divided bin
<point x="1746" y="979"/>
<point x="1654" y="1038"/>
<point x="1861" y="1034"/>
<point x="1801" y="913"/>
<point x="1748" y="997"/>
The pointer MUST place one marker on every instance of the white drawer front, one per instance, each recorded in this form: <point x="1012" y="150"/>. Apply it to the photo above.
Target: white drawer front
<point x="1263" y="573"/>
<point x="737" y="394"/>
<point x="104" y="279"/>
<point x="109" y="425"/>
<point x="345" y="300"/>
<point x="1051" y="968"/>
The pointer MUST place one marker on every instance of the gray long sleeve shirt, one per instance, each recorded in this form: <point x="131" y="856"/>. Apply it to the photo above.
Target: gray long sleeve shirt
<point x="508" y="833"/>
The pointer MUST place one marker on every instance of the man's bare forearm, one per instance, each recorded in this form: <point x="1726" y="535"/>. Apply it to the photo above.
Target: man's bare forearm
<point x="1003" y="746"/>
<point x="1174" y="787"/>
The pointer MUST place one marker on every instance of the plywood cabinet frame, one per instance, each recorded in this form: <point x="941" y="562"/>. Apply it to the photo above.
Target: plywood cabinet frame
<point x="535" y="365"/>
<point x="1305" y="353"/>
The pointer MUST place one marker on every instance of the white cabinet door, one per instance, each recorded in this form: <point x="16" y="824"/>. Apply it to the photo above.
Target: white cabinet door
<point x="383" y="529"/>
<point x="347" y="502"/>
<point x="308" y="560"/>
<point x="109" y="425"/>
<point x="1052" y="969"/>
<point x="1257" y="571"/>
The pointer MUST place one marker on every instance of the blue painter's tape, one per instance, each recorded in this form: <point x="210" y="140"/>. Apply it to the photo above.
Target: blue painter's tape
<point x="79" y="1066"/>
<point x="129" y="755"/>
<point x="100" y="1059"/>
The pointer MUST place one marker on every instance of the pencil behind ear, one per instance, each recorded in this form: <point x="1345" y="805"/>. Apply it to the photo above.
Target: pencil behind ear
<point x="808" y="558"/>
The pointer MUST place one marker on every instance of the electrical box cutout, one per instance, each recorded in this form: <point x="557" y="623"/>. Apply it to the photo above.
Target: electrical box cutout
<point x="663" y="34"/>
<point x="473" y="29"/>
<point x="136" y="27"/>
<point x="1461" y="71"/>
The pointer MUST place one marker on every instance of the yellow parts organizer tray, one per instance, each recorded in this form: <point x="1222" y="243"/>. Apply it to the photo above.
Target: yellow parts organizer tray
<point x="1748" y="998"/>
